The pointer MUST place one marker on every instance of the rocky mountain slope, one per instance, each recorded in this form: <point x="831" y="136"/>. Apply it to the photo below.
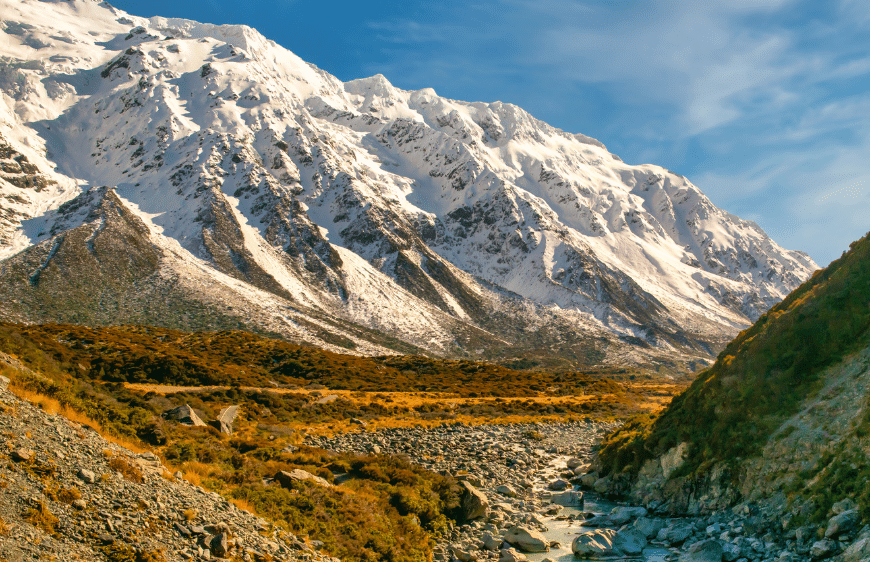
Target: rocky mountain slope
<point x="170" y="172"/>
<point x="69" y="493"/>
<point x="782" y="418"/>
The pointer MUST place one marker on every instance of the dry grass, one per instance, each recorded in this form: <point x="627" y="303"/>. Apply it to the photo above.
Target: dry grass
<point x="42" y="518"/>
<point x="4" y="528"/>
<point x="244" y="505"/>
<point x="128" y="469"/>
<point x="51" y="406"/>
<point x="190" y="514"/>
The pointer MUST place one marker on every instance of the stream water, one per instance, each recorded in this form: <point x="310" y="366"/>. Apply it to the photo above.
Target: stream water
<point x="564" y="531"/>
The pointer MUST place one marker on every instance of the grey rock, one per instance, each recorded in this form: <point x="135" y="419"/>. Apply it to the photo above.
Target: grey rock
<point x="568" y="498"/>
<point x="843" y="505"/>
<point x="594" y="544"/>
<point x="842" y="523"/>
<point x="184" y="415"/>
<point x="87" y="476"/>
<point x="858" y="551"/>
<point x="629" y="542"/>
<point x="621" y="515"/>
<point x="219" y="545"/>
<point x="288" y="477"/>
<point x="527" y="540"/>
<point x="225" y="419"/>
<point x="649" y="527"/>
<point x="823" y="549"/>
<point x="473" y="504"/>
<point x="559" y="485"/>
<point x="507" y="490"/>
<point x="511" y="555"/>
<point x="574" y="462"/>
<point x="602" y="485"/>
<point x="491" y="542"/>
<point x="709" y="550"/>
<point x="22" y="455"/>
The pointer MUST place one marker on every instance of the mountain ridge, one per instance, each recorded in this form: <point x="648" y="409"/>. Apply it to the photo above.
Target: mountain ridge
<point x="457" y="228"/>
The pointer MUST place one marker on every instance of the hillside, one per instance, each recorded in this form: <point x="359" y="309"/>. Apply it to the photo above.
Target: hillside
<point x="199" y="177"/>
<point x="782" y="416"/>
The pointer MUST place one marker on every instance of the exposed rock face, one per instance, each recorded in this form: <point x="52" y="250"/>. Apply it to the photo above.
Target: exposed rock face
<point x="234" y="183"/>
<point x="225" y="419"/>
<point x="184" y="415"/>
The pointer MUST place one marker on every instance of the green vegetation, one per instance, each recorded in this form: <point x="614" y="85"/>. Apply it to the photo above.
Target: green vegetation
<point x="761" y="377"/>
<point x="381" y="508"/>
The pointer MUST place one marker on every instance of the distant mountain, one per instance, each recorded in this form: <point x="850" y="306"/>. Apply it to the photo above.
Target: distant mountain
<point x="169" y="172"/>
<point x="781" y="418"/>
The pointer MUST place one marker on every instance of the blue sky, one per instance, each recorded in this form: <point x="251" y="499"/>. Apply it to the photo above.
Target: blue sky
<point x="764" y="104"/>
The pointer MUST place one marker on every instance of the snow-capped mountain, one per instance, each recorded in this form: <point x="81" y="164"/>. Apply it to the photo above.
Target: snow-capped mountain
<point x="167" y="171"/>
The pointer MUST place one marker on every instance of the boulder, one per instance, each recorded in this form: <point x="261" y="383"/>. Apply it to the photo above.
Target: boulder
<point x="225" y="419"/>
<point x="823" y="549"/>
<point x="649" y="527"/>
<point x="858" y="551"/>
<point x="676" y="533"/>
<point x="568" y="498"/>
<point x="288" y="477"/>
<point x="507" y="490"/>
<point x="511" y="555"/>
<point x="491" y="542"/>
<point x="602" y="485"/>
<point x="527" y="540"/>
<point x="184" y="415"/>
<point x="86" y="476"/>
<point x="559" y="485"/>
<point x="22" y="455"/>
<point x="594" y="544"/>
<point x="472" y="503"/>
<point x="574" y="462"/>
<point x="588" y="480"/>
<point x="629" y="542"/>
<point x="842" y="523"/>
<point x="621" y="515"/>
<point x="709" y="550"/>
<point x="843" y="505"/>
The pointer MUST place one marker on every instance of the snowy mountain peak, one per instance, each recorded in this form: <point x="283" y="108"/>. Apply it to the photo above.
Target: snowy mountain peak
<point x="353" y="214"/>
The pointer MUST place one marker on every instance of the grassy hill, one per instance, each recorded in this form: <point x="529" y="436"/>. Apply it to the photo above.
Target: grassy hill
<point x="761" y="379"/>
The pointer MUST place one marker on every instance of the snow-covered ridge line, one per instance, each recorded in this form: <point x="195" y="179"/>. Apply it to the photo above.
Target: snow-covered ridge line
<point x="451" y="225"/>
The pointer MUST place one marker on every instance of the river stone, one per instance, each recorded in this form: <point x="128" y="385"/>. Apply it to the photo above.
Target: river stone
<point x="649" y="527"/>
<point x="621" y="515"/>
<point x="588" y="480"/>
<point x="559" y="485"/>
<point x="709" y="550"/>
<point x="473" y="504"/>
<point x="594" y="544"/>
<point x="630" y="542"/>
<point x="507" y="490"/>
<point x="511" y="555"/>
<point x="842" y="523"/>
<point x="676" y="533"/>
<point x="574" y="462"/>
<point x="527" y="540"/>
<point x="568" y="498"/>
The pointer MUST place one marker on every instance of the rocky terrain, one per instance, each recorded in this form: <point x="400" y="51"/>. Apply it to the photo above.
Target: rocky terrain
<point x="530" y="478"/>
<point x="68" y="494"/>
<point x="169" y="172"/>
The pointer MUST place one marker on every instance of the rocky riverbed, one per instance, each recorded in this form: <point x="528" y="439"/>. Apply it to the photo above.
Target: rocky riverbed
<point x="540" y="504"/>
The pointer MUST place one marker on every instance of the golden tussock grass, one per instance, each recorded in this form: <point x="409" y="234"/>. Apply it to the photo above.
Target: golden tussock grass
<point x="50" y="405"/>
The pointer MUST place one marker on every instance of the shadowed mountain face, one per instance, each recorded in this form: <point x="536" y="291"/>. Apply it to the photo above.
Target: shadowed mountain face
<point x="211" y="177"/>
